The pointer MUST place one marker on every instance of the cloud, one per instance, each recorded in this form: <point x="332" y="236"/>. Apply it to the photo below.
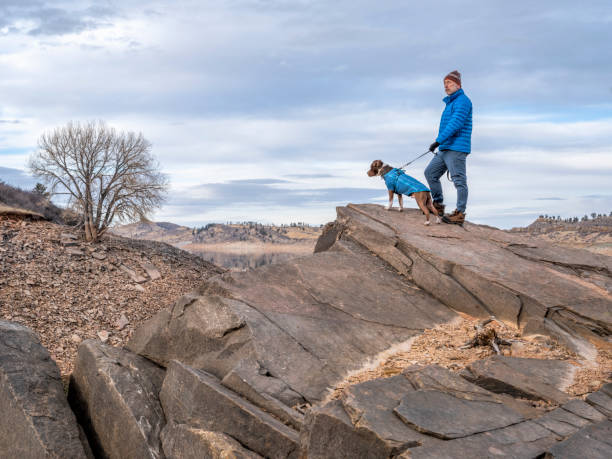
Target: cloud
<point x="17" y="178"/>
<point x="40" y="18"/>
<point x="262" y="193"/>
<point x="262" y="181"/>
<point x="309" y="176"/>
<point x="301" y="96"/>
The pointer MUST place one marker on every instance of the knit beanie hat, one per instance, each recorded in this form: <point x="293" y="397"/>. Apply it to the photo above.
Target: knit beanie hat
<point x="454" y="76"/>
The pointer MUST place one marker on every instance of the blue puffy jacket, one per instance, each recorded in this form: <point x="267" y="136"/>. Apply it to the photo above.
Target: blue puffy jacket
<point x="401" y="183"/>
<point x="456" y="123"/>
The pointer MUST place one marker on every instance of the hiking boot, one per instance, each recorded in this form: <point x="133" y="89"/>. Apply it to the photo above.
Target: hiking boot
<point x="439" y="207"/>
<point x="456" y="218"/>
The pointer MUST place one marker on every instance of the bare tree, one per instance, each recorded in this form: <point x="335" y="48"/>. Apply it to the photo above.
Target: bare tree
<point x="106" y="174"/>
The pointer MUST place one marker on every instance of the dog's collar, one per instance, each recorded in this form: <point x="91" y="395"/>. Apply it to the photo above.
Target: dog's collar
<point x="380" y="174"/>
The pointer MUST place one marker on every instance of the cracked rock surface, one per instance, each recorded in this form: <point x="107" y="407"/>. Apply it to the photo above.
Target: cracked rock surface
<point x="252" y="357"/>
<point x="35" y="420"/>
<point x="114" y="394"/>
<point x="482" y="270"/>
<point x="307" y="322"/>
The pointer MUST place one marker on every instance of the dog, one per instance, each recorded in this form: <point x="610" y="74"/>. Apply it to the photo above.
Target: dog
<point x="400" y="183"/>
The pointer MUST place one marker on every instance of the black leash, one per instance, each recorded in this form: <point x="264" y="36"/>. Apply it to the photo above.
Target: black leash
<point x="410" y="162"/>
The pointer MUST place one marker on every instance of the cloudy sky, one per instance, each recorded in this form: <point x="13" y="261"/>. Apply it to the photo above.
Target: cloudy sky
<point x="272" y="110"/>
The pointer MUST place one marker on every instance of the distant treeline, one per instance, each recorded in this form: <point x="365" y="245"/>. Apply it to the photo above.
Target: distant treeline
<point x="259" y="227"/>
<point x="594" y="216"/>
<point x="248" y="231"/>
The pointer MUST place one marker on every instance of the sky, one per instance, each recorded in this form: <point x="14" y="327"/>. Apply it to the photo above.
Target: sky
<point x="272" y="110"/>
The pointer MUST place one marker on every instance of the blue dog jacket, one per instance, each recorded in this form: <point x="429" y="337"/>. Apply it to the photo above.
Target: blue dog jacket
<point x="399" y="182"/>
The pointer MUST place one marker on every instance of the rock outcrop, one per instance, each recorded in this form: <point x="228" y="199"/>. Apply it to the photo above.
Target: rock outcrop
<point x="481" y="270"/>
<point x="198" y="399"/>
<point x="292" y="330"/>
<point x="245" y="365"/>
<point x="35" y="418"/>
<point x="115" y="395"/>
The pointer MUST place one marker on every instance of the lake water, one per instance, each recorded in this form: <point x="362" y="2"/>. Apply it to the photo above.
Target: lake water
<point x="244" y="261"/>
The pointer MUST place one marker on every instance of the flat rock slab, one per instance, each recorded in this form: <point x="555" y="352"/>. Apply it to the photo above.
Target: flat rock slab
<point x="115" y="396"/>
<point x="445" y="416"/>
<point x="198" y="400"/>
<point x="428" y="411"/>
<point x="35" y="420"/>
<point x="307" y="322"/>
<point x="511" y="276"/>
<point x="434" y="377"/>
<point x="592" y="442"/>
<point x="329" y="433"/>
<point x="602" y="400"/>
<point x="525" y="440"/>
<point x="183" y="442"/>
<point x="562" y="422"/>
<point x="370" y="406"/>
<point x="535" y="379"/>
<point x="584" y="410"/>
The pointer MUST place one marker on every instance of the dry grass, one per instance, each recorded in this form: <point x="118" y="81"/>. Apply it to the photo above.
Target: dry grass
<point x="17" y="212"/>
<point x="441" y="346"/>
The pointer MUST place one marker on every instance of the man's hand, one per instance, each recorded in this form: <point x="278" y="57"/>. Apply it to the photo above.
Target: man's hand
<point x="433" y="146"/>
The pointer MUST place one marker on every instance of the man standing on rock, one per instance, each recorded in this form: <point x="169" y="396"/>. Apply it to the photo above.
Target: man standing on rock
<point x="454" y="140"/>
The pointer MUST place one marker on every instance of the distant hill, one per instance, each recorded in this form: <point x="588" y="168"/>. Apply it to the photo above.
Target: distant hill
<point x="15" y="201"/>
<point x="155" y="231"/>
<point x="593" y="234"/>
<point x="219" y="233"/>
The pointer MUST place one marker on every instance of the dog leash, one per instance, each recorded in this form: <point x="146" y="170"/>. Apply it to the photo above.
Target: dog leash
<point x="410" y="162"/>
<point x="420" y="156"/>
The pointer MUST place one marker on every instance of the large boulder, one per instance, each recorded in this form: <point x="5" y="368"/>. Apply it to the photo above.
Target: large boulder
<point x="370" y="406"/>
<point x="198" y="400"/>
<point x="415" y="411"/>
<point x="329" y="433"/>
<point x="249" y="352"/>
<point x="114" y="394"/>
<point x="485" y="271"/>
<point x="181" y="441"/>
<point x="35" y="419"/>
<point x="294" y="330"/>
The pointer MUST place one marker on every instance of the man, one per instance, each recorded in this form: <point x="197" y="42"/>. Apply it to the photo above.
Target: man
<point x="454" y="140"/>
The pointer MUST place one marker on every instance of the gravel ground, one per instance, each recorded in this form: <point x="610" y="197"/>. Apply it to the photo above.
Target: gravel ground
<point x="67" y="290"/>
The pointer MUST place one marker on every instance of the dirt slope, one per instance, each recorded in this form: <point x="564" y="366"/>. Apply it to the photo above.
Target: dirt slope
<point x="68" y="291"/>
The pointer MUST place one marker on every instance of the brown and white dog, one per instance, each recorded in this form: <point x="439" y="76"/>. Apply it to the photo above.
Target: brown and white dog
<point x="422" y="198"/>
